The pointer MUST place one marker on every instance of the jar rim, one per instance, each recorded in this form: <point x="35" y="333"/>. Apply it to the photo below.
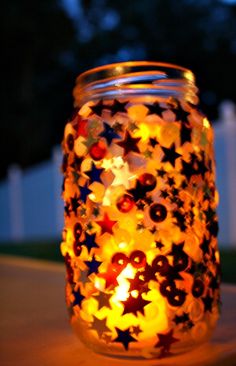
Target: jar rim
<point x="135" y="78"/>
<point x="119" y="67"/>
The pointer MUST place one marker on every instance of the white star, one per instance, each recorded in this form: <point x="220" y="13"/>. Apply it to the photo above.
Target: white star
<point x="123" y="176"/>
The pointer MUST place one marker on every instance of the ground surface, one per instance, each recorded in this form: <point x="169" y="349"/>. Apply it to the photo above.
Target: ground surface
<point x="34" y="326"/>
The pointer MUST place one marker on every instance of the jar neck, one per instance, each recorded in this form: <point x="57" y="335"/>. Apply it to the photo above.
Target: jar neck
<point x="135" y="78"/>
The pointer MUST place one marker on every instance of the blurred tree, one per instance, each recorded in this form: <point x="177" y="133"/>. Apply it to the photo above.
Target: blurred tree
<point x="200" y="35"/>
<point x="43" y="50"/>
<point x="36" y="79"/>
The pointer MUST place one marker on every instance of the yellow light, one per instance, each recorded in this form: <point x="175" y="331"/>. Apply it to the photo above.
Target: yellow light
<point x="206" y="123"/>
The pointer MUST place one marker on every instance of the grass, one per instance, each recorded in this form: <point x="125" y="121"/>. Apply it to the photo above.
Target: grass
<point x="51" y="251"/>
<point x="41" y="250"/>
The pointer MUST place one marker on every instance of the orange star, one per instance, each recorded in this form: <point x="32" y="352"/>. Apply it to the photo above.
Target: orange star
<point x="106" y="224"/>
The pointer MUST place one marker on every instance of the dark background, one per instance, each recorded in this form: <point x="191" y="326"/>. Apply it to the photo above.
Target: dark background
<point x="45" y="44"/>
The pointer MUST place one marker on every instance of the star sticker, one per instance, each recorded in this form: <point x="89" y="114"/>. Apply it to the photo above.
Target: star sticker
<point x="74" y="201"/>
<point x="122" y="175"/>
<point x="93" y="265"/>
<point x="100" y="326"/>
<point x="129" y="143"/>
<point x="215" y="283"/>
<point x="180" y="218"/>
<point x="136" y="330"/>
<point x="188" y="170"/>
<point x="138" y="283"/>
<point x="210" y="214"/>
<point x="170" y="155"/>
<point x="109" y="133"/>
<point x="175" y="191"/>
<point x="96" y="211"/>
<point x="138" y="192"/>
<point x="94" y="173"/>
<point x="171" y="181"/>
<point x="147" y="153"/>
<point x="110" y="277"/>
<point x="124" y="337"/>
<point x="155" y="109"/>
<point x="78" y="297"/>
<point x="153" y="229"/>
<point x="205" y="245"/>
<point x="107" y="338"/>
<point x="207" y="301"/>
<point x="140" y="204"/>
<point x="103" y="300"/>
<point x="188" y="325"/>
<point x="165" y="341"/>
<point x="149" y="274"/>
<point x="185" y="134"/>
<point x="106" y="224"/>
<point x="98" y="108"/>
<point x="118" y="107"/>
<point x="164" y="194"/>
<point x="213" y="227"/>
<point x="159" y="245"/>
<point x="161" y="172"/>
<point x="153" y="142"/>
<point x="202" y="168"/>
<point x="181" y="114"/>
<point x="84" y="192"/>
<point x="89" y="226"/>
<point x="184" y="184"/>
<point x="118" y="127"/>
<point x="179" y="202"/>
<point x="183" y="318"/>
<point x="77" y="161"/>
<point x="90" y="242"/>
<point x="133" y="126"/>
<point x="67" y="209"/>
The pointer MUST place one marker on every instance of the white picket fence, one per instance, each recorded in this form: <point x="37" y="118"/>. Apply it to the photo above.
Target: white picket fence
<point x="31" y="207"/>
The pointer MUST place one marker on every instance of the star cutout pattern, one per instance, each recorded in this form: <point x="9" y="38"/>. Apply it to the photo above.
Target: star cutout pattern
<point x="148" y="226"/>
<point x="170" y="155"/>
<point x="124" y="337"/>
<point x="165" y="342"/>
<point x="106" y="224"/>
<point x="129" y="144"/>
<point x="109" y="133"/>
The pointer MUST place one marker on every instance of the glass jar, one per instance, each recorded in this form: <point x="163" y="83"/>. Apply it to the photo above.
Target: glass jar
<point x="140" y="236"/>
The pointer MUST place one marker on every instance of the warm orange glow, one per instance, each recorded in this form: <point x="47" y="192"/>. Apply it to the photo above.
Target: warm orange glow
<point x="140" y="231"/>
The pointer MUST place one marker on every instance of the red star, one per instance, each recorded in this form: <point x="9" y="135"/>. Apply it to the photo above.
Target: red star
<point x="110" y="276"/>
<point x="165" y="341"/>
<point x="106" y="224"/>
<point x="129" y="143"/>
<point x="134" y="305"/>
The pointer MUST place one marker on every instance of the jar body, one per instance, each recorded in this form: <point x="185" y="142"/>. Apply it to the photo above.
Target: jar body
<point x="140" y="242"/>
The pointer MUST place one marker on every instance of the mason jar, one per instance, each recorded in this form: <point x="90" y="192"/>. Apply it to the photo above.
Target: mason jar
<point x="140" y="235"/>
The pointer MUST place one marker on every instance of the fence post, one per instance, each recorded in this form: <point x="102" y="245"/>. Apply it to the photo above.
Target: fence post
<point x="228" y="116"/>
<point x="15" y="203"/>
